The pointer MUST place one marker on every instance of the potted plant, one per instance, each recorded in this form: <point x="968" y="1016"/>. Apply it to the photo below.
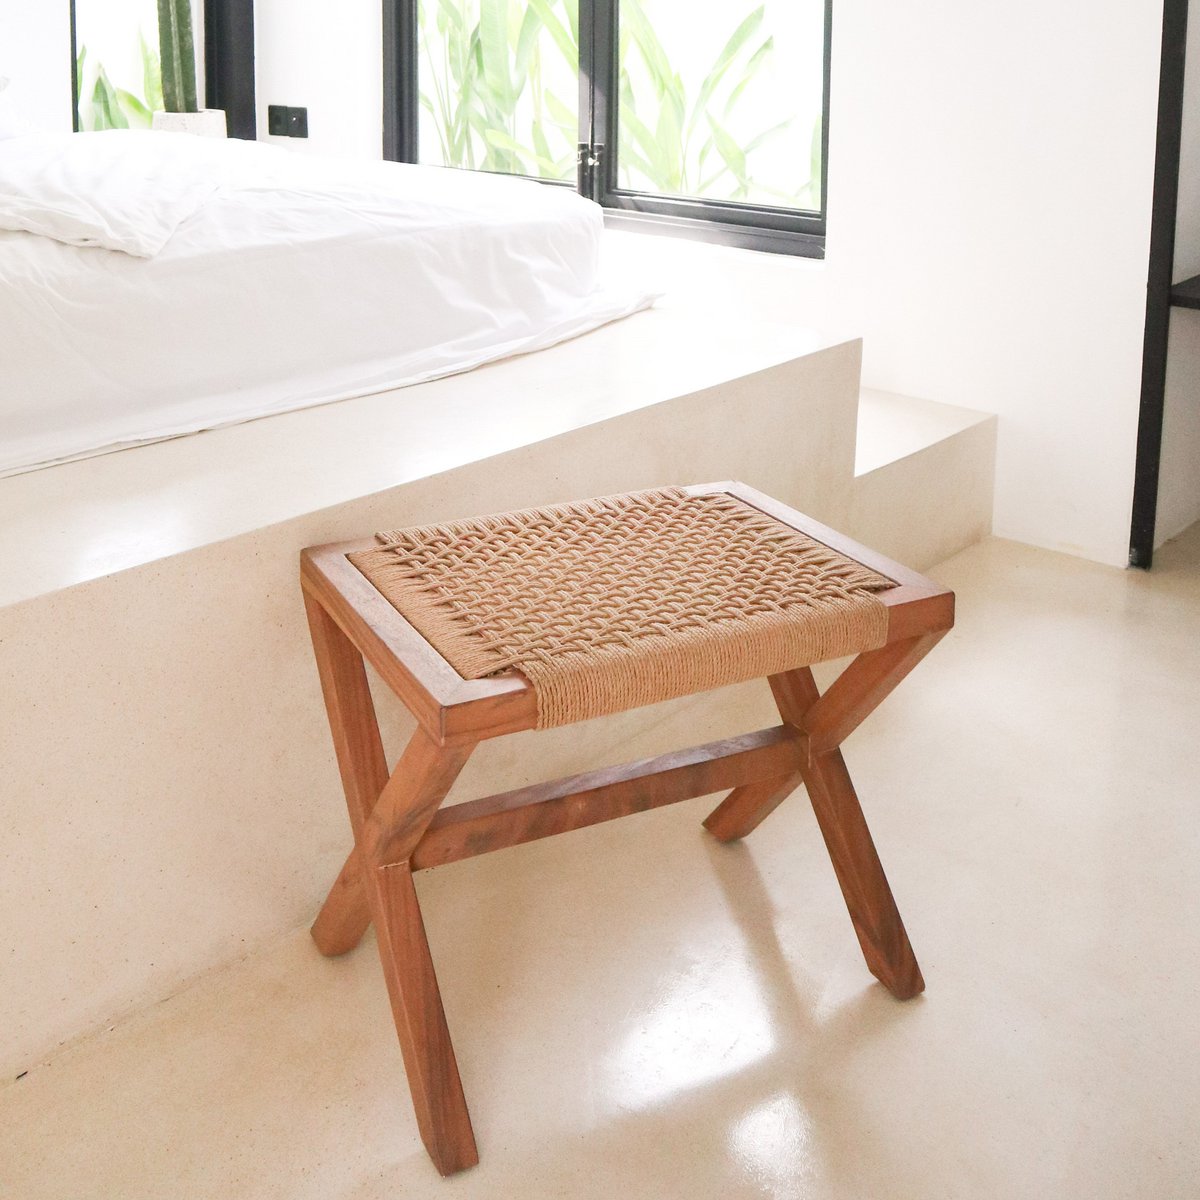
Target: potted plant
<point x="175" y="41"/>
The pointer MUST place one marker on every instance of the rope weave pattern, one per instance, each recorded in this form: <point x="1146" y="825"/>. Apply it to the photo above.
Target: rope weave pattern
<point x="627" y="600"/>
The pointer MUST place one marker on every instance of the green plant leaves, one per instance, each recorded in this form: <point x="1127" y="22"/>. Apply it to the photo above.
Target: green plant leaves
<point x="740" y="36"/>
<point x="177" y="55"/>
<point x="691" y="132"/>
<point x="151" y="75"/>
<point x="494" y="52"/>
<point x="531" y="25"/>
<point x="565" y="37"/>
<point x="483" y="82"/>
<point x="732" y="154"/>
<point x="103" y="105"/>
<point x="106" y="105"/>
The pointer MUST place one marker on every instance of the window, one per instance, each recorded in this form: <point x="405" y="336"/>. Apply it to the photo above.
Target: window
<point x="118" y="69"/>
<point x="705" y="120"/>
<point x="117" y="55"/>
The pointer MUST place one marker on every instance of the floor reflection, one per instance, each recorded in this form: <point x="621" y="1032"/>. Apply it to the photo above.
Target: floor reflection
<point x="708" y="1023"/>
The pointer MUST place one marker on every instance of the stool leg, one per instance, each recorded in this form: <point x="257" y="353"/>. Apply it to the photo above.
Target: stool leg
<point x="389" y="816"/>
<point x="429" y="1061"/>
<point x="868" y="897"/>
<point x="417" y="787"/>
<point x="873" y="911"/>
<point x="344" y="917"/>
<point x="746" y="807"/>
<point x="346" y="913"/>
<point x="857" y="691"/>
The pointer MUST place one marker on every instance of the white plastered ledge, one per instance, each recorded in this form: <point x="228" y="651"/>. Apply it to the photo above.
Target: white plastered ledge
<point x="67" y="524"/>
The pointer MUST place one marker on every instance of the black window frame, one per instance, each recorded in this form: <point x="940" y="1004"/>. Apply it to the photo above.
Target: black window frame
<point x="750" y="226"/>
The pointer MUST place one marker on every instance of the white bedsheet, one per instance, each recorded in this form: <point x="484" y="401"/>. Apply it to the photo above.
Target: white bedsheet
<point x="299" y="281"/>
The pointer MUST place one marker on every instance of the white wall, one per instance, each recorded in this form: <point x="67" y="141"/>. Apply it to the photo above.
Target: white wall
<point x="35" y="54"/>
<point x="327" y="58"/>
<point x="989" y="214"/>
<point x="1179" y="477"/>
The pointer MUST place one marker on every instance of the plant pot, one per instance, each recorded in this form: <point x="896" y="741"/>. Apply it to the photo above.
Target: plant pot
<point x="208" y="122"/>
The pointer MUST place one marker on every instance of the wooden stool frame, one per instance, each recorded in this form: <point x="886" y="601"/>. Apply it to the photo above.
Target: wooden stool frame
<point x="400" y="828"/>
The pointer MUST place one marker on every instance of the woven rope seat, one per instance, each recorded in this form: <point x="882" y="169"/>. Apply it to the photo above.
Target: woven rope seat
<point x="627" y="600"/>
<point x="497" y="625"/>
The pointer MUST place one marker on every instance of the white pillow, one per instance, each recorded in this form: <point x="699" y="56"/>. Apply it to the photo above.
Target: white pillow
<point x="122" y="189"/>
<point x="11" y="124"/>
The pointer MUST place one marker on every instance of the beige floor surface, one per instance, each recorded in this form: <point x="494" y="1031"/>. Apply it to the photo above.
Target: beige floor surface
<point x="640" y="1012"/>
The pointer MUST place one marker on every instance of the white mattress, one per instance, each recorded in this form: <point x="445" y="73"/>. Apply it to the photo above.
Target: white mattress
<point x="297" y="281"/>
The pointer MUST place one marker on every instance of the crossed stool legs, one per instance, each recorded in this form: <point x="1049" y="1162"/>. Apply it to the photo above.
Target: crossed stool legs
<point x="399" y="826"/>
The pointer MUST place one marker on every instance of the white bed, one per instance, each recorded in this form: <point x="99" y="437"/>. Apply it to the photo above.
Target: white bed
<point x="282" y="281"/>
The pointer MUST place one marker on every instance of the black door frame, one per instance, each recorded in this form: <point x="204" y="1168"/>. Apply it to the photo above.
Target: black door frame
<point x="1158" y="283"/>
<point x="229" y="81"/>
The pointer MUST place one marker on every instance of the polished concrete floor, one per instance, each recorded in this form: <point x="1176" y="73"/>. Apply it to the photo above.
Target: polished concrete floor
<point x="640" y="1012"/>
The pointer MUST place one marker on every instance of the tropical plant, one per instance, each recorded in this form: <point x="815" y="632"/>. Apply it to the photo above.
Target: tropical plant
<point x="168" y="77"/>
<point x="177" y="55"/>
<point x="690" y="150"/>
<point x="485" y="76"/>
<point x="493" y="106"/>
<point x="103" y="105"/>
<point x="152" y="84"/>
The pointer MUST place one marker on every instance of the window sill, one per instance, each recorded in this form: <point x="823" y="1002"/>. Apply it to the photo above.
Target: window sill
<point x="744" y="237"/>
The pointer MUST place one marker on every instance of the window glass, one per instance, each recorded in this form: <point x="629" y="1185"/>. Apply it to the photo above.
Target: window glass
<point x="725" y="108"/>
<point x="117" y="63"/>
<point x="499" y="85"/>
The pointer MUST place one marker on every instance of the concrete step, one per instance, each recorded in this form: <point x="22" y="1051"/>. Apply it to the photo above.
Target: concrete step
<point x="923" y="477"/>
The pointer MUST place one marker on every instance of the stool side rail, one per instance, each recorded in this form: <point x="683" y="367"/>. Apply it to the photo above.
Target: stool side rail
<point x="541" y="810"/>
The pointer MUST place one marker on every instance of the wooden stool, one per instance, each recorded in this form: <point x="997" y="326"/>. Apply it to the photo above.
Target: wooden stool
<point x="702" y="628"/>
